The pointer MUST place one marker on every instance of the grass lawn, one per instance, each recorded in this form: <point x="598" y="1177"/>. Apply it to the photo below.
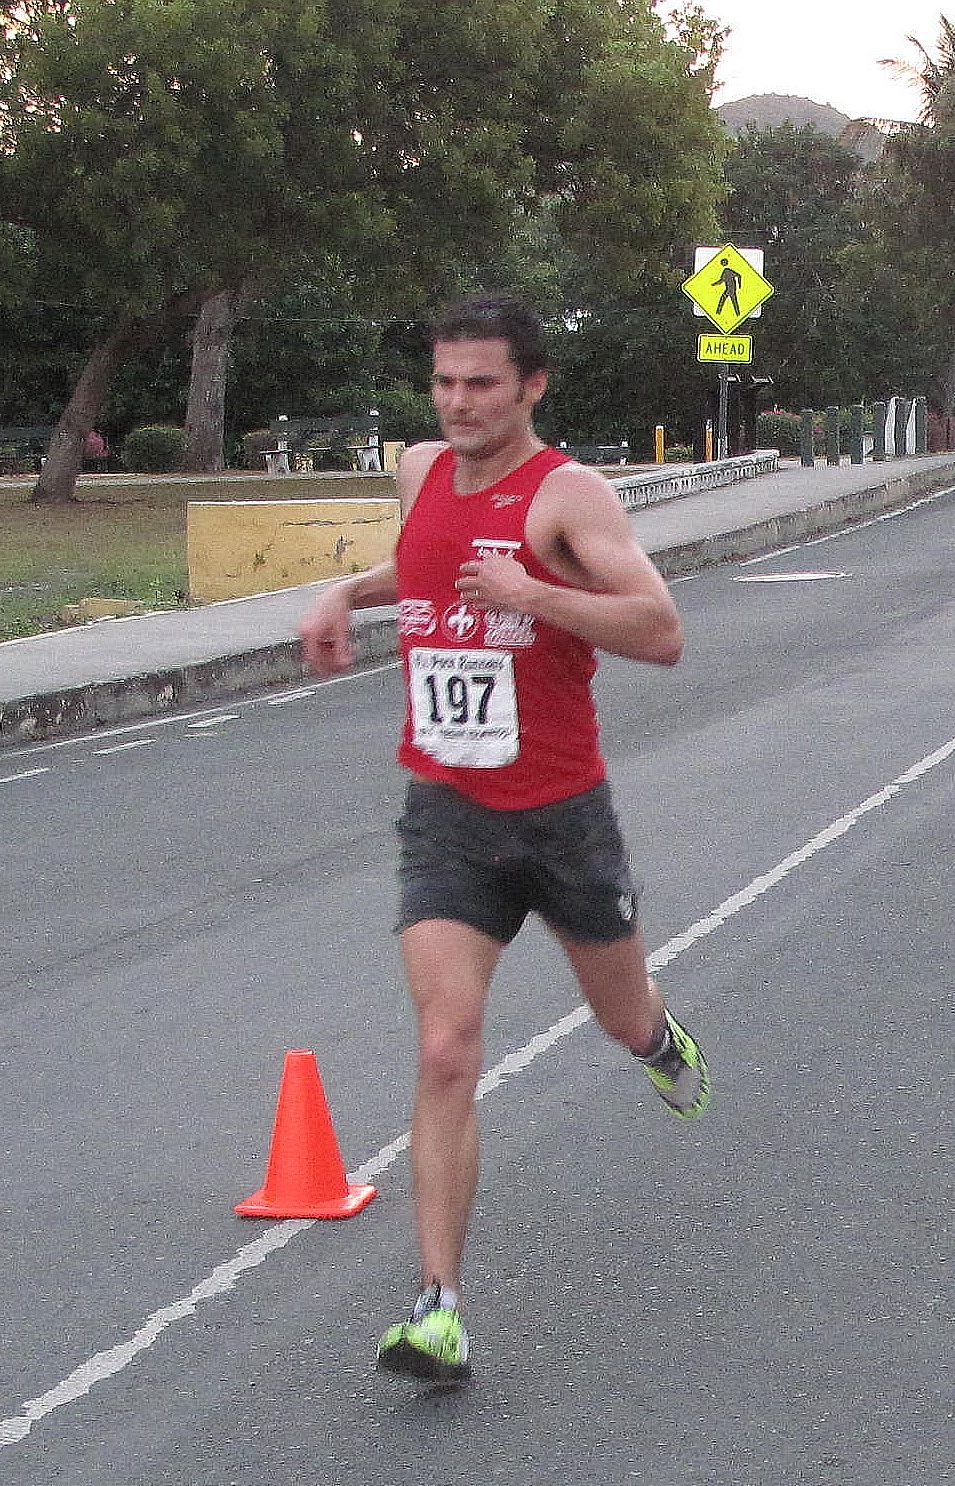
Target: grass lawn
<point x="130" y="546"/>
<point x="124" y="537"/>
<point x="124" y="543"/>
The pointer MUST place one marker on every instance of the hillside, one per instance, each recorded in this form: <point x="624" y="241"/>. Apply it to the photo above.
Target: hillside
<point x="770" y="110"/>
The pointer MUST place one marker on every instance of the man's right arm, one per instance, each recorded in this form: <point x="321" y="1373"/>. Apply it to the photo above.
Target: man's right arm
<point x="326" y="628"/>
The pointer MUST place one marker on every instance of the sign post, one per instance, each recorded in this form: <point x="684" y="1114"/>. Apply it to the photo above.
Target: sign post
<point x="727" y="287"/>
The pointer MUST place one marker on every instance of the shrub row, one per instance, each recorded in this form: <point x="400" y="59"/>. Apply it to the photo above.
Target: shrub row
<point x="158" y="448"/>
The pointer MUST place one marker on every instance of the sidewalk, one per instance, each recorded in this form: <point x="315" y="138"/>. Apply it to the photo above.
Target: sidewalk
<point x="120" y="670"/>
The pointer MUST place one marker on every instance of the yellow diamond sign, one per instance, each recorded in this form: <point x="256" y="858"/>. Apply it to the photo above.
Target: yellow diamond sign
<point x="728" y="287"/>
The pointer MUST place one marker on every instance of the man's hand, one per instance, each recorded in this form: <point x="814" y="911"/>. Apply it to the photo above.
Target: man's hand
<point x="495" y="582"/>
<point x="326" y="633"/>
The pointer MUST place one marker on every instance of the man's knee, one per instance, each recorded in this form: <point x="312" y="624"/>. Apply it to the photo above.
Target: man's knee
<point x="449" y="1052"/>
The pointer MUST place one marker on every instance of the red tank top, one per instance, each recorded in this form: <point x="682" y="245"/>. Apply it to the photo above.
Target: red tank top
<point x="499" y="705"/>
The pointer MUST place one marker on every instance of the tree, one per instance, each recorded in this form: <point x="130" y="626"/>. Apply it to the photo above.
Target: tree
<point x="916" y="218"/>
<point x="795" y="193"/>
<point x="165" y="155"/>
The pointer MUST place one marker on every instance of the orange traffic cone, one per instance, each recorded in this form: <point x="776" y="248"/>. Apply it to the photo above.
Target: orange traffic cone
<point x="305" y="1177"/>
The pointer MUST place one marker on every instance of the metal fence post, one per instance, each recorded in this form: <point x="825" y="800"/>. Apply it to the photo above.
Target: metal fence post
<point x="901" y="420"/>
<point x="921" y="425"/>
<point x="832" y="436"/>
<point x="879" y="411"/>
<point x="856" y="427"/>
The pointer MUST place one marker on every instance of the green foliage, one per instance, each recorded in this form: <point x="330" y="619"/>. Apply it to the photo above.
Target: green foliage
<point x="252" y="447"/>
<point x="797" y="194"/>
<point x="778" y="430"/>
<point x="623" y="368"/>
<point x="407" y="413"/>
<point x="916" y="224"/>
<point x="156" y="151"/>
<point x="154" y="449"/>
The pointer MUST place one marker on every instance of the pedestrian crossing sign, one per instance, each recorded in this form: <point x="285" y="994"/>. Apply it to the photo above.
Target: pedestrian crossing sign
<point x="727" y="285"/>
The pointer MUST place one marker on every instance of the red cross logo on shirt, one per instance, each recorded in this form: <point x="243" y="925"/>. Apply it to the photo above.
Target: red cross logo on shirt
<point x="459" y="622"/>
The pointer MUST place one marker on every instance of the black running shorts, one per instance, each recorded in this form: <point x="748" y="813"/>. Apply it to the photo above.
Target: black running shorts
<point x="490" y="868"/>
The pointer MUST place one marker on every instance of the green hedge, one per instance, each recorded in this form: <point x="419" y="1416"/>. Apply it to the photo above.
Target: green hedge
<point x="154" y="449"/>
<point x="777" y="430"/>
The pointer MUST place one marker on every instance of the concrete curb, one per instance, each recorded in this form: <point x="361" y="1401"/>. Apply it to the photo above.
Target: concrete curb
<point x="82" y="709"/>
<point x="795" y="526"/>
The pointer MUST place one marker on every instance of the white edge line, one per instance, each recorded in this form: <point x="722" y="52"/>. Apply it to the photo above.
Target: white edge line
<point x="223" y="1278"/>
<point x="831" y="536"/>
<point x="27" y="774"/>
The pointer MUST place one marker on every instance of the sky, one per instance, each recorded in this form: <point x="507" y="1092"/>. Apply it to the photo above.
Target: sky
<point x="827" y="50"/>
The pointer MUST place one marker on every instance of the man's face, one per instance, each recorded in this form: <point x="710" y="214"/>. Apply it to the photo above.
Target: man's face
<point x="482" y="401"/>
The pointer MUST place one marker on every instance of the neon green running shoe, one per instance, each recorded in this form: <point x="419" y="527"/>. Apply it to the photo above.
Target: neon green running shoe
<point x="432" y="1345"/>
<point x="679" y="1073"/>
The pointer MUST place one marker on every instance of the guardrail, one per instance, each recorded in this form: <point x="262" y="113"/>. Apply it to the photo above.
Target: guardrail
<point x="639" y="491"/>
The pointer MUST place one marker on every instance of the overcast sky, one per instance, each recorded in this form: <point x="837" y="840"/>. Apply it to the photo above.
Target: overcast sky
<point x="827" y="50"/>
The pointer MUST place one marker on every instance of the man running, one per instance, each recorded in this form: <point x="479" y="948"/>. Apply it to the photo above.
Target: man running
<point x="513" y="566"/>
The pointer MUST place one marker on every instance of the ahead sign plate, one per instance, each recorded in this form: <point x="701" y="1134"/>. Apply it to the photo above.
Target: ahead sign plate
<point x="735" y="348"/>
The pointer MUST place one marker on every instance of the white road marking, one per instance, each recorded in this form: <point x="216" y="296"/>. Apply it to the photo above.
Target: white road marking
<point x="27" y="774"/>
<point x="98" y="734"/>
<point x="788" y="577"/>
<point x="107" y="1364"/>
<point x="832" y="536"/>
<point x="212" y="722"/>
<point x="124" y="747"/>
<point x="294" y="696"/>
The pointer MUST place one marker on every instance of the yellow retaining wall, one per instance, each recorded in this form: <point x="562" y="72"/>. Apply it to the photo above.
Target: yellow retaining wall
<point x="238" y="548"/>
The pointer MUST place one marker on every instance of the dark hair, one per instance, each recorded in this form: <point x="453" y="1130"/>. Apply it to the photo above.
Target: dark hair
<point x="496" y="317"/>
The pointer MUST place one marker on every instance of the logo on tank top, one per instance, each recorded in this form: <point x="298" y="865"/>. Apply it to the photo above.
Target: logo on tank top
<point x="510" y="631"/>
<point x="502" y="498"/>
<point x="460" y="621"/>
<point x="495" y="547"/>
<point x="417" y="617"/>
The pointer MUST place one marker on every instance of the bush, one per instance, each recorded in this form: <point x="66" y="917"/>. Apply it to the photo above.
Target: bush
<point x="778" y="430"/>
<point x="253" y="447"/>
<point x="155" y="449"/>
<point x="679" y="454"/>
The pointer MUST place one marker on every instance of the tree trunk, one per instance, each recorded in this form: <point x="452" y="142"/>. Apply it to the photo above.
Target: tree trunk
<point x="205" y="415"/>
<point x="64" y="458"/>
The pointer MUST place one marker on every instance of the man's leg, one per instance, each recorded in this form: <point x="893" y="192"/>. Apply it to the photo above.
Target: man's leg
<point x="625" y="999"/>
<point x="449" y="967"/>
<point x="629" y="1007"/>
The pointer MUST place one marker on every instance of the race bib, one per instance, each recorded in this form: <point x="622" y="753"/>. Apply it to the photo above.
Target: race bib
<point x="464" y="706"/>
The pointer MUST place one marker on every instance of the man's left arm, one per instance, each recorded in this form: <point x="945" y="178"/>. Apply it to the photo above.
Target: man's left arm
<point x="619" y="601"/>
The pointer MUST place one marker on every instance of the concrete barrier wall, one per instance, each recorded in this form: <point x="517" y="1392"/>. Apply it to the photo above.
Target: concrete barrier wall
<point x="240" y="548"/>
<point x="304" y="528"/>
<point x="671" y="481"/>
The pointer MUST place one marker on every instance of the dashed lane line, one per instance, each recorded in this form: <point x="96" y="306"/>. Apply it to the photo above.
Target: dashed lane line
<point x="107" y="1364"/>
<point x="211" y="722"/>
<point x="31" y="750"/>
<point x="124" y="747"/>
<point x="812" y="577"/>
